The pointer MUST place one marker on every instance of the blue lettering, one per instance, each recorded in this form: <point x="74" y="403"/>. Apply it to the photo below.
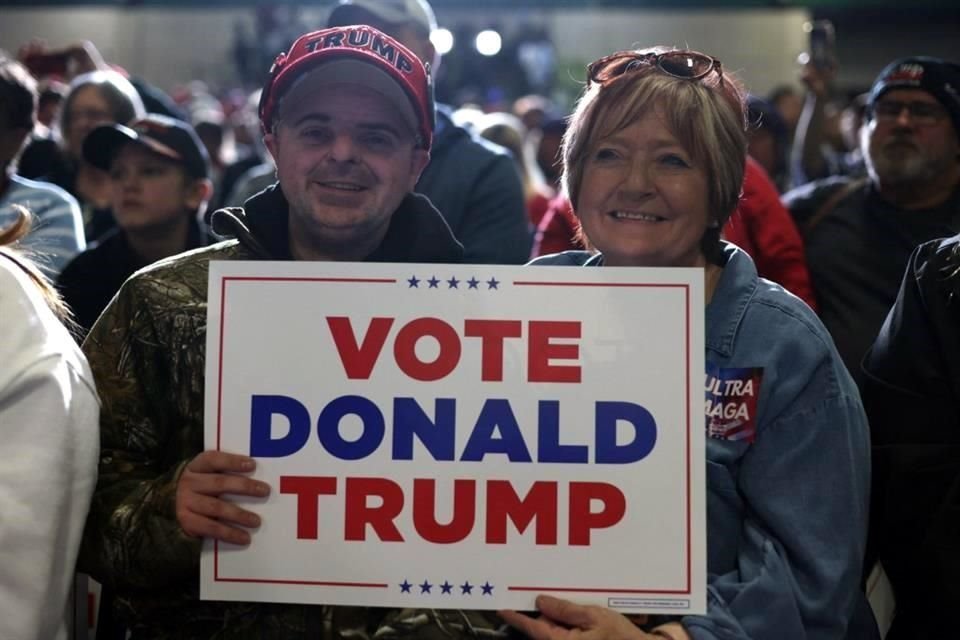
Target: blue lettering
<point x="439" y="436"/>
<point x="645" y="433"/>
<point x="549" y="448"/>
<point x="328" y="427"/>
<point x="262" y="410"/>
<point x="496" y="413"/>
<point x="496" y="430"/>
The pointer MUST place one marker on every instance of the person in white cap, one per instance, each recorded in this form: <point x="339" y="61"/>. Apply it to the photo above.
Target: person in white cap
<point x="348" y="116"/>
<point x="471" y="181"/>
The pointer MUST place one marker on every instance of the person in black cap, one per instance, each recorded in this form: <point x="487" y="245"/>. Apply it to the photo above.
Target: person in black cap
<point x="158" y="190"/>
<point x="911" y="387"/>
<point x="859" y="233"/>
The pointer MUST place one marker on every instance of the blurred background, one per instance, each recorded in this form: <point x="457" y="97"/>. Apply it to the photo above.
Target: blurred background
<point x="510" y="72"/>
<point x="497" y="50"/>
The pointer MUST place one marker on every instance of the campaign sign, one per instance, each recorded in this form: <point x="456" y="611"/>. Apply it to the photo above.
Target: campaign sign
<point x="461" y="436"/>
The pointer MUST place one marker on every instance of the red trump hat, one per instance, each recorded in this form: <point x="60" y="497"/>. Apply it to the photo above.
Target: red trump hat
<point x="354" y="54"/>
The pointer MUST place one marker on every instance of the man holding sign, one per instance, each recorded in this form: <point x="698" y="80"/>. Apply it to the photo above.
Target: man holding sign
<point x="348" y="117"/>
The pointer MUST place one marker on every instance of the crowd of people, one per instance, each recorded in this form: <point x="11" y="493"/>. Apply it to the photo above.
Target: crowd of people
<point x="828" y="236"/>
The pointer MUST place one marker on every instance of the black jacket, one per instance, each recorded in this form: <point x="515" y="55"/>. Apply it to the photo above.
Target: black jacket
<point x="911" y="392"/>
<point x="475" y="186"/>
<point x="94" y="276"/>
<point x="856" y="255"/>
<point x="417" y="233"/>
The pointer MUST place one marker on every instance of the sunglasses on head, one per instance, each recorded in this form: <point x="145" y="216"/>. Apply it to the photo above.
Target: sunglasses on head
<point x="688" y="65"/>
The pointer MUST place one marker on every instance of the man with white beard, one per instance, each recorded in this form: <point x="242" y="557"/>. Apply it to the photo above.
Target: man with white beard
<point x="860" y="233"/>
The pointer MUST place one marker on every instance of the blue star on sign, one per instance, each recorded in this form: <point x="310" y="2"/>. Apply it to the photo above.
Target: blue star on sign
<point x="473" y="282"/>
<point x="425" y="587"/>
<point x="466" y="588"/>
<point x="487" y="589"/>
<point x="405" y="586"/>
<point x="452" y="283"/>
<point x="492" y="283"/>
<point x="433" y="282"/>
<point x="413" y="282"/>
<point x="446" y="587"/>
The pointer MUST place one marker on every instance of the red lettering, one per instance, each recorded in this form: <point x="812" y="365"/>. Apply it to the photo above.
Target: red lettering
<point x="308" y="490"/>
<point x="503" y="502"/>
<point x="358" y="514"/>
<point x="404" y="349"/>
<point x="540" y="351"/>
<point x="537" y="507"/>
<point x="360" y="357"/>
<point x="357" y="360"/>
<point x="424" y="511"/>
<point x="492" y="333"/>
<point x="582" y="519"/>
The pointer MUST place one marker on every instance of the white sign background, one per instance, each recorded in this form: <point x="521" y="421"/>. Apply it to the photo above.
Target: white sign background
<point x="641" y="342"/>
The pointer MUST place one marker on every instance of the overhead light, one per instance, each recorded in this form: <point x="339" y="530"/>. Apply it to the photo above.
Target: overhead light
<point x="442" y="40"/>
<point x="488" y="42"/>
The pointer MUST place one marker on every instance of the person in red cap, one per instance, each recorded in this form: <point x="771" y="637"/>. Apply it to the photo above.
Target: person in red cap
<point x="158" y="170"/>
<point x="348" y="116"/>
<point x="472" y="182"/>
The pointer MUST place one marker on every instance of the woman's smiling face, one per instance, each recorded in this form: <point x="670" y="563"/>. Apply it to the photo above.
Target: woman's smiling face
<point x="643" y="199"/>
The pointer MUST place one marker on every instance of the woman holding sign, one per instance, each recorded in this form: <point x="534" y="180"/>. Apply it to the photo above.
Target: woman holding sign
<point x="653" y="162"/>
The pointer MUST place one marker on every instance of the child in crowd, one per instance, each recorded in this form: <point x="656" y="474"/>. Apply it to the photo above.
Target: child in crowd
<point x="158" y="189"/>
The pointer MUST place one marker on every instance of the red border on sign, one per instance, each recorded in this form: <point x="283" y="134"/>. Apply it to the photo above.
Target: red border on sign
<point x="216" y="544"/>
<point x="519" y="283"/>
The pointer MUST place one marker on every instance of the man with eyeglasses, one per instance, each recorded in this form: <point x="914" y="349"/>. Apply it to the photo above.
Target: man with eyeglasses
<point x="860" y="233"/>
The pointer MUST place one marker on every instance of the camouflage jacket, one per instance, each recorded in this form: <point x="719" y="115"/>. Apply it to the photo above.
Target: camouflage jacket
<point x="147" y="355"/>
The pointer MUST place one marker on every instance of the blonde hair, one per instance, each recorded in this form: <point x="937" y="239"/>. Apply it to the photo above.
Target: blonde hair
<point x="20" y="227"/>
<point x="707" y="116"/>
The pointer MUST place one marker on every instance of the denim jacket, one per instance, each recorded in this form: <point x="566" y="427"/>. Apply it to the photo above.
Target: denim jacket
<point x="788" y="466"/>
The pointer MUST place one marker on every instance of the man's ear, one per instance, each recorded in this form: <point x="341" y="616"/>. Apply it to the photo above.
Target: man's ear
<point x="418" y="162"/>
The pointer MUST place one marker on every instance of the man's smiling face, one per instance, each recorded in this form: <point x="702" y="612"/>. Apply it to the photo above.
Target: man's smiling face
<point x="345" y="160"/>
